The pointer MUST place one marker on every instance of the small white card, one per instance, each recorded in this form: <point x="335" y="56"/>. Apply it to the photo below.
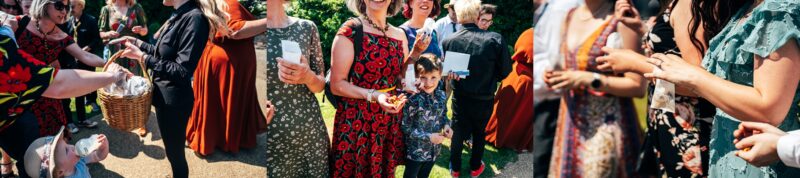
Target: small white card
<point x="410" y="79"/>
<point x="291" y="51"/>
<point x="455" y="62"/>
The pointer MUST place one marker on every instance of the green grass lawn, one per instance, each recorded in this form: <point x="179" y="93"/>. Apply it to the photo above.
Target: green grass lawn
<point x="494" y="158"/>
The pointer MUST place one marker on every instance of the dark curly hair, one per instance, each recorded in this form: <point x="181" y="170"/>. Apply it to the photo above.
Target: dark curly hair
<point x="408" y="12"/>
<point x="712" y="15"/>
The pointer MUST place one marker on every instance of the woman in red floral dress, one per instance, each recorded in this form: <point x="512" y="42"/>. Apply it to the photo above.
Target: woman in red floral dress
<point x="367" y="140"/>
<point x="40" y="37"/>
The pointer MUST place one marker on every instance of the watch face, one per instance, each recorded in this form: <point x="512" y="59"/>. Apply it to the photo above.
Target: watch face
<point x="596" y="83"/>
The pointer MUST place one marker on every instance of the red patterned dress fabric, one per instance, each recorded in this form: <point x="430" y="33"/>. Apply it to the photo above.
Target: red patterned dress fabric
<point x="49" y="111"/>
<point x="367" y="141"/>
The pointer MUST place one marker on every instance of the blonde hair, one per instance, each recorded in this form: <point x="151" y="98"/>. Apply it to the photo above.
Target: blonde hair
<point x="81" y="2"/>
<point x="467" y="11"/>
<point x="216" y="11"/>
<point x="359" y="8"/>
<point x="111" y="2"/>
<point x="38" y="9"/>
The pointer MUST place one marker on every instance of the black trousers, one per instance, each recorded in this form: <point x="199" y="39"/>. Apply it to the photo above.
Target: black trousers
<point x="172" y="121"/>
<point x="16" y="138"/>
<point x="545" y="117"/>
<point x="416" y="169"/>
<point x="469" y="119"/>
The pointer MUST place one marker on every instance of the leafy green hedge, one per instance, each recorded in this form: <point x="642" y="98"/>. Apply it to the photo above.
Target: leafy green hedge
<point x="513" y="16"/>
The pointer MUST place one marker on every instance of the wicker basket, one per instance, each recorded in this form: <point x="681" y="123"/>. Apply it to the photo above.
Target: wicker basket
<point x="125" y="112"/>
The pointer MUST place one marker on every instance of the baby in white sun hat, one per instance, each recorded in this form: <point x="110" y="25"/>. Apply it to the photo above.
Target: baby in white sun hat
<point x="52" y="156"/>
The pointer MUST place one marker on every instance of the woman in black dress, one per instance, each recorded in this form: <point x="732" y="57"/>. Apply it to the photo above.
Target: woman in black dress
<point x="173" y="59"/>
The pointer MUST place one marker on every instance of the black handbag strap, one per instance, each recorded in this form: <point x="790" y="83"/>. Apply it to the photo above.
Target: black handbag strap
<point x="22" y="24"/>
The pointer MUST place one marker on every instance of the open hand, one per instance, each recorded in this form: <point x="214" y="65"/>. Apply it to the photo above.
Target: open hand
<point x="392" y="107"/>
<point x="422" y="42"/>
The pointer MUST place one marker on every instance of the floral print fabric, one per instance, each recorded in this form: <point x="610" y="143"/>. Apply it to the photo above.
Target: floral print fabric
<point x="367" y="141"/>
<point x="676" y="144"/>
<point x="297" y="140"/>
<point x="23" y="79"/>
<point x="49" y="111"/>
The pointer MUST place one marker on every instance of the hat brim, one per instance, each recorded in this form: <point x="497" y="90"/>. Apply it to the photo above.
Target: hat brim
<point x="51" y="165"/>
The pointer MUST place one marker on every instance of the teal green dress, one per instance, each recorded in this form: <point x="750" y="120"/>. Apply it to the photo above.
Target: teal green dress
<point x="730" y="56"/>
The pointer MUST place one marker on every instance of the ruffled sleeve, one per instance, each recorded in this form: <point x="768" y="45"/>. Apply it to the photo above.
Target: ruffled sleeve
<point x="772" y="24"/>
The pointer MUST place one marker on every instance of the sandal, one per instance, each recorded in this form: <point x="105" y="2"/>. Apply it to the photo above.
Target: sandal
<point x="10" y="173"/>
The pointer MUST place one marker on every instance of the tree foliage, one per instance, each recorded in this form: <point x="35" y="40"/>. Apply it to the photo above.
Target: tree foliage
<point x="512" y="18"/>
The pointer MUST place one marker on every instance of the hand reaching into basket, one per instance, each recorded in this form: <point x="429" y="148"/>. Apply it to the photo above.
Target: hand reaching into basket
<point x="118" y="72"/>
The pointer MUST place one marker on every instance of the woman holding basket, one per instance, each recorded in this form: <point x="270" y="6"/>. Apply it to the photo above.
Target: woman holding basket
<point x="173" y="59"/>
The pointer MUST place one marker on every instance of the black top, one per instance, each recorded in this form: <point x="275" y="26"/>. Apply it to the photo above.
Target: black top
<point x="661" y="38"/>
<point x="489" y="62"/>
<point x="175" y="55"/>
<point x="87" y="35"/>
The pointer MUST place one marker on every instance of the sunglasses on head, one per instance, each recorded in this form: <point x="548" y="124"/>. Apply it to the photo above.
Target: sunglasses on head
<point x="60" y="6"/>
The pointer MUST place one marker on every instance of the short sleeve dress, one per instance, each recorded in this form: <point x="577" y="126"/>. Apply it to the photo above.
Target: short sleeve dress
<point x="297" y="140"/>
<point x="731" y="56"/>
<point x="49" y="111"/>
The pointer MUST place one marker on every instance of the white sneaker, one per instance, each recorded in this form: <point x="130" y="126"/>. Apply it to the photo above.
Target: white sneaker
<point x="72" y="128"/>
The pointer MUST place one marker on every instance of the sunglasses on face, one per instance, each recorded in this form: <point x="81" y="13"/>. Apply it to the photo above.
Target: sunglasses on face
<point x="7" y="6"/>
<point x="60" y="6"/>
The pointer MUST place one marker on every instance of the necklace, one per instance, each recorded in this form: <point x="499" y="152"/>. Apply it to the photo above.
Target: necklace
<point x="44" y="35"/>
<point x="383" y="30"/>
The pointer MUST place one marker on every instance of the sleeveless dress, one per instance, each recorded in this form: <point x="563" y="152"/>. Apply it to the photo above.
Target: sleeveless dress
<point x="226" y="113"/>
<point x="730" y="56"/>
<point x="49" y="111"/>
<point x="367" y="141"/>
<point x="676" y="144"/>
<point x="297" y="139"/>
<point x="597" y="134"/>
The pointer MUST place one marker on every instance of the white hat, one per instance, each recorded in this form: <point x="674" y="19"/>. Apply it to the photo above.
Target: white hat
<point x="40" y="161"/>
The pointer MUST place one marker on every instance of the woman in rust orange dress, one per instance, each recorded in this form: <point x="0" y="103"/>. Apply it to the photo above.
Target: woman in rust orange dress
<point x="226" y="112"/>
<point x="511" y="124"/>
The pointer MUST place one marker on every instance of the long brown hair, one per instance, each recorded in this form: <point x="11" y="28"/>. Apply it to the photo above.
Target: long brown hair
<point x="712" y="15"/>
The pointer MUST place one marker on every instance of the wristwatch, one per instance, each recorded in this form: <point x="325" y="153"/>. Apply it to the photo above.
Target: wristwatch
<point x="596" y="82"/>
